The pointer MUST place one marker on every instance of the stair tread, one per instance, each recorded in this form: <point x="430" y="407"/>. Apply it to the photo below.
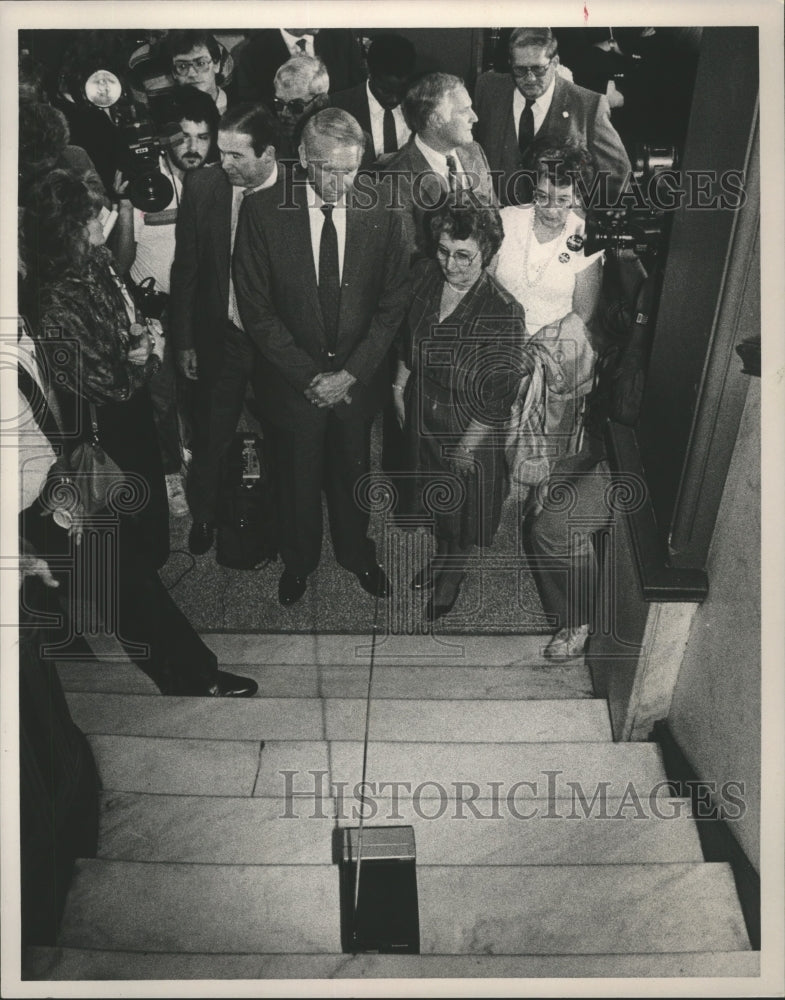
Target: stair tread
<point x="342" y="649"/>
<point x="142" y="827"/>
<point x="506" y="910"/>
<point x="82" y="963"/>
<point x="340" y="718"/>
<point x="334" y="680"/>
<point x="242" y="767"/>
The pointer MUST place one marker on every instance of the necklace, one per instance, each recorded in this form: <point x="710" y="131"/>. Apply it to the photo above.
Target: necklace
<point x="541" y="268"/>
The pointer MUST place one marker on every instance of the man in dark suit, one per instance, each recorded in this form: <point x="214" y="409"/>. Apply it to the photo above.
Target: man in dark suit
<point x="441" y="155"/>
<point x="269" y="48"/>
<point x="322" y="287"/>
<point x="212" y="346"/>
<point x="534" y="102"/>
<point x="376" y="103"/>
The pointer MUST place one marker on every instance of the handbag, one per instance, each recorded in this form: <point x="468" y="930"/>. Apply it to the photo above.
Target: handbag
<point x="80" y="483"/>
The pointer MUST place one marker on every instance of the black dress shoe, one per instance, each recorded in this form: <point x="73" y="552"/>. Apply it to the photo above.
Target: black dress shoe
<point x="200" y="537"/>
<point x="228" y="685"/>
<point x="374" y="582"/>
<point x="291" y="588"/>
<point x="434" y="611"/>
<point x="424" y="579"/>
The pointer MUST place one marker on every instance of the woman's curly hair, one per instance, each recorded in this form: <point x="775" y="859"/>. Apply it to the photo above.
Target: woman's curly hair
<point x="59" y="208"/>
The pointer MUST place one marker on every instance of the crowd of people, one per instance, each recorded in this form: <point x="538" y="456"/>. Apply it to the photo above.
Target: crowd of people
<point x="330" y="235"/>
<point x="334" y="226"/>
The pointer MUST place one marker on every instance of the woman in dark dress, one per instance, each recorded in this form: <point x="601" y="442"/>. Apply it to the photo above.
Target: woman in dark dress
<point x="95" y="352"/>
<point x="453" y="393"/>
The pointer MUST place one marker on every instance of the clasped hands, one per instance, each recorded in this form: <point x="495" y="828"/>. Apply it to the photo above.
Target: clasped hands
<point x="328" y="389"/>
<point x="461" y="462"/>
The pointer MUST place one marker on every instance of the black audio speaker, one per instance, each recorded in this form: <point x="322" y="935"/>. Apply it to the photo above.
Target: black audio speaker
<point x="387" y="919"/>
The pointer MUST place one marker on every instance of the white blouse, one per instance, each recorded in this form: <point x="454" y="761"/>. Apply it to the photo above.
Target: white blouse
<point x="541" y="276"/>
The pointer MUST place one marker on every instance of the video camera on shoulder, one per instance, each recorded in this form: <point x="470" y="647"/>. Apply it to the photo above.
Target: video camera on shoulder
<point x="145" y="141"/>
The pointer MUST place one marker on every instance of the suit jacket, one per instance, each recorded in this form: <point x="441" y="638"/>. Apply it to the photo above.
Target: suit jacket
<point x="575" y="115"/>
<point x="355" y="101"/>
<point x="200" y="271"/>
<point x="278" y="299"/>
<point x="266" y="51"/>
<point x="409" y="181"/>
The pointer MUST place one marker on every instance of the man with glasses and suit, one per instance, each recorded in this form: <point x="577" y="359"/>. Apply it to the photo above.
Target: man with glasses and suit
<point x="301" y="86"/>
<point x="534" y="102"/>
<point x="322" y="281"/>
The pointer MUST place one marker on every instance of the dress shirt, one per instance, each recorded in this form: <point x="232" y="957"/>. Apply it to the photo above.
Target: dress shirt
<point x="316" y="219"/>
<point x="402" y="130"/>
<point x="438" y="161"/>
<point x="540" y="107"/>
<point x="238" y="194"/>
<point x="293" y="47"/>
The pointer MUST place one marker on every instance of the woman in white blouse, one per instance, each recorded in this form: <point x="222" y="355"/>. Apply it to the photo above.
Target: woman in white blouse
<point x="542" y="263"/>
<point x="541" y="260"/>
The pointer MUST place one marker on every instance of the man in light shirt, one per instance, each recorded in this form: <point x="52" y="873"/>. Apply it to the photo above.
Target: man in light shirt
<point x="376" y="104"/>
<point x="212" y="347"/>
<point x="535" y="102"/>
<point x="322" y="286"/>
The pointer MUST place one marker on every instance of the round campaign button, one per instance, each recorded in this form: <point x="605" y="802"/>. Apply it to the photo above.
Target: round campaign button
<point x="564" y="258"/>
<point x="575" y="242"/>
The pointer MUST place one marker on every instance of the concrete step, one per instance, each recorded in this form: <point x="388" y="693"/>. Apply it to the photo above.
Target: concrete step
<point x="412" y="650"/>
<point x="518" y="772"/>
<point x="83" y="963"/>
<point x="335" y="680"/>
<point x="526" y="910"/>
<point x="341" y="719"/>
<point x="247" y="831"/>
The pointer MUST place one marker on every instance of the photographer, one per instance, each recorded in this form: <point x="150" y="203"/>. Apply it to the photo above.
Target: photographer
<point x="144" y="243"/>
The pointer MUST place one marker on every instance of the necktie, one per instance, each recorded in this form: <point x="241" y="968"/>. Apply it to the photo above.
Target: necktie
<point x="452" y="174"/>
<point x="390" y="135"/>
<point x="526" y="127"/>
<point x="329" y="280"/>
<point x="301" y="43"/>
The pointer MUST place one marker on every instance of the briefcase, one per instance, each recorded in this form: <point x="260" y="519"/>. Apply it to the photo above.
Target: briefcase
<point x="387" y="919"/>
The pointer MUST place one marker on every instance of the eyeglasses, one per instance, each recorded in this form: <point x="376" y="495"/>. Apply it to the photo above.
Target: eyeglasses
<point x="295" y="106"/>
<point x="542" y="199"/>
<point x="519" y="72"/>
<point x="460" y="257"/>
<point x="201" y="63"/>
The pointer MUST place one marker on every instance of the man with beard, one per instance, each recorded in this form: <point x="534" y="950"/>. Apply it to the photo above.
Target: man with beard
<point x="144" y="248"/>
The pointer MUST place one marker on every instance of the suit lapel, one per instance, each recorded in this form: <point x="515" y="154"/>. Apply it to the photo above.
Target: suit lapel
<point x="357" y="231"/>
<point x="552" y="121"/>
<point x="220" y="226"/>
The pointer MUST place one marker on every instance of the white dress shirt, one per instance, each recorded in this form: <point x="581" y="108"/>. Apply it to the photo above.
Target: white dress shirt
<point x="539" y="109"/>
<point x="238" y="194"/>
<point x="438" y="161"/>
<point x="316" y="219"/>
<point x="402" y="130"/>
<point x="293" y="47"/>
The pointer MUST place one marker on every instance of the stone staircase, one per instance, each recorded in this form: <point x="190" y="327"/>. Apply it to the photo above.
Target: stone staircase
<point x="543" y="848"/>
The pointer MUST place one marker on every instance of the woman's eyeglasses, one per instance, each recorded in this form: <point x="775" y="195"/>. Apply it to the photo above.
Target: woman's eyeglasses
<point x="545" y="201"/>
<point x="201" y="63"/>
<point x="461" y="258"/>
